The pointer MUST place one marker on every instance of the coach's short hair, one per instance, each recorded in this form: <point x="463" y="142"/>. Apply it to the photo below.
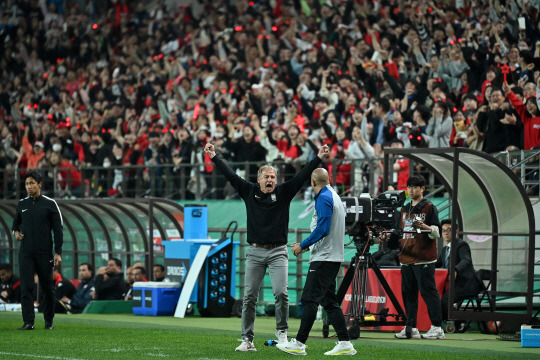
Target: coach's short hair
<point x="265" y="167"/>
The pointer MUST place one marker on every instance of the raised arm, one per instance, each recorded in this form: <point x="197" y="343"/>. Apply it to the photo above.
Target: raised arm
<point x="241" y="185"/>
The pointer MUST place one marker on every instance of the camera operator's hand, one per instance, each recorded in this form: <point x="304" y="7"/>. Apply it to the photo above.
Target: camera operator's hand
<point x="419" y="224"/>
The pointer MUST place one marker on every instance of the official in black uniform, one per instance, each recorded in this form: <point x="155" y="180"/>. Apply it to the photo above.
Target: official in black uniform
<point x="36" y="216"/>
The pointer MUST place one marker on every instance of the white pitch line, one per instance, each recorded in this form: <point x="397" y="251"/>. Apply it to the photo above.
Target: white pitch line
<point x="38" y="356"/>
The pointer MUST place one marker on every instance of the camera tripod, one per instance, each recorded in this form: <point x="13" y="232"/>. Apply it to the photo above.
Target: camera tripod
<point x="357" y="274"/>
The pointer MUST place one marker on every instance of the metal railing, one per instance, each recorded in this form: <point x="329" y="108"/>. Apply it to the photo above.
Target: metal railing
<point x="186" y="181"/>
<point x="177" y="182"/>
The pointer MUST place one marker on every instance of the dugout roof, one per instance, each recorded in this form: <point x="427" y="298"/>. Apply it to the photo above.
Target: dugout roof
<point x="96" y="229"/>
<point x="494" y="215"/>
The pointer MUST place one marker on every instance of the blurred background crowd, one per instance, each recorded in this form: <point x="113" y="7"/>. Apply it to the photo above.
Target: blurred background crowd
<point x="116" y="98"/>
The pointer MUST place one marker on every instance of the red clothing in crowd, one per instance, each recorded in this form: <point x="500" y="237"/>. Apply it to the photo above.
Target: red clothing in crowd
<point x="32" y="158"/>
<point x="343" y="170"/>
<point x="531" y="125"/>
<point x="67" y="169"/>
<point x="460" y="142"/>
<point x="290" y="152"/>
<point x="403" y="174"/>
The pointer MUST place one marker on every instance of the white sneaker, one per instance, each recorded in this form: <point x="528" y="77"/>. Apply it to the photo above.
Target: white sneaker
<point x="246" y="345"/>
<point x="294" y="347"/>
<point x="415" y="334"/>
<point x="342" y="348"/>
<point x="281" y="335"/>
<point x="434" y="333"/>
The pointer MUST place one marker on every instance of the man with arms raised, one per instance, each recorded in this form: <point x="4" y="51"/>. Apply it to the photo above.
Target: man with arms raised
<point x="267" y="209"/>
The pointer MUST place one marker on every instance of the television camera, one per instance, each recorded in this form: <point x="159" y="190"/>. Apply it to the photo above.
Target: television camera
<point x="367" y="219"/>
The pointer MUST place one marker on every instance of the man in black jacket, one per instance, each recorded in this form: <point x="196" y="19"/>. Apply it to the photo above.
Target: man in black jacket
<point x="10" y="285"/>
<point x="36" y="216"/>
<point x="110" y="284"/>
<point x="466" y="284"/>
<point x="267" y="209"/>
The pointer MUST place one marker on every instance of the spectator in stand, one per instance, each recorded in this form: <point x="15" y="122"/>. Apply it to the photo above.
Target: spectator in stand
<point x="247" y="148"/>
<point x="34" y="153"/>
<point x="337" y="155"/>
<point x="362" y="152"/>
<point x="529" y="114"/>
<point x="439" y="126"/>
<point x="10" y="285"/>
<point x="460" y="129"/>
<point x="498" y="135"/>
<point x="67" y="176"/>
<point x="110" y="282"/>
<point x="400" y="167"/>
<point x="83" y="294"/>
<point x="153" y="175"/>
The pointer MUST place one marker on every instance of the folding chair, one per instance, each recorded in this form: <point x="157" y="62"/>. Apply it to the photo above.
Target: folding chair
<point x="485" y="278"/>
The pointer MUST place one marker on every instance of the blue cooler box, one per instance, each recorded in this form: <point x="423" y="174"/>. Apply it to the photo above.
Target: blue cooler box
<point x="155" y="298"/>
<point x="530" y="335"/>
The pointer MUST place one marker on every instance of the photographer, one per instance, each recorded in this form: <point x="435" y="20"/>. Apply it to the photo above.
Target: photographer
<point x="417" y="257"/>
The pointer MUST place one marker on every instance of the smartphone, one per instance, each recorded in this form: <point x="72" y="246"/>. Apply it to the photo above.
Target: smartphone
<point x="521" y="23"/>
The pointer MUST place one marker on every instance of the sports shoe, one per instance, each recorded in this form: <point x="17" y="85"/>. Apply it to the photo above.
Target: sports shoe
<point x="246" y="345"/>
<point x="281" y="335"/>
<point x="294" y="347"/>
<point x="415" y="334"/>
<point x="434" y="333"/>
<point x="342" y="348"/>
<point x="27" y="327"/>
<point x="49" y="326"/>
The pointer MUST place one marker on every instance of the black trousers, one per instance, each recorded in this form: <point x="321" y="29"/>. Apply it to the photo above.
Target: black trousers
<point x="320" y="289"/>
<point x="42" y="264"/>
<point x="420" y="277"/>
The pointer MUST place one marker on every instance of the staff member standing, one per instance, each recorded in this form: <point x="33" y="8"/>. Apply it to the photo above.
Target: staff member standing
<point x="36" y="216"/>
<point x="417" y="257"/>
<point x="267" y="209"/>
<point x="327" y="254"/>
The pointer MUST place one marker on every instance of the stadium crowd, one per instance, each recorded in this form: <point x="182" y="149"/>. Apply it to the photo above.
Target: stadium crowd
<point x="97" y="83"/>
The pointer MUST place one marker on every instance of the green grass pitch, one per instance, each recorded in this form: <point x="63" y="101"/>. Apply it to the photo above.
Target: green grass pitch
<point x="147" y="337"/>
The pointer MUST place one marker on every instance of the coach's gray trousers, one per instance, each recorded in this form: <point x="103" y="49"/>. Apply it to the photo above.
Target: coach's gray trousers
<point x="277" y="262"/>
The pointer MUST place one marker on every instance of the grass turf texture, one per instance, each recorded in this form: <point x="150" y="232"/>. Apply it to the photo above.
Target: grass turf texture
<point x="90" y="336"/>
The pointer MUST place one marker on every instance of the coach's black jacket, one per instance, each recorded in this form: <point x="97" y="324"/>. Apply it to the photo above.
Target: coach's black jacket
<point x="35" y="219"/>
<point x="267" y="214"/>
